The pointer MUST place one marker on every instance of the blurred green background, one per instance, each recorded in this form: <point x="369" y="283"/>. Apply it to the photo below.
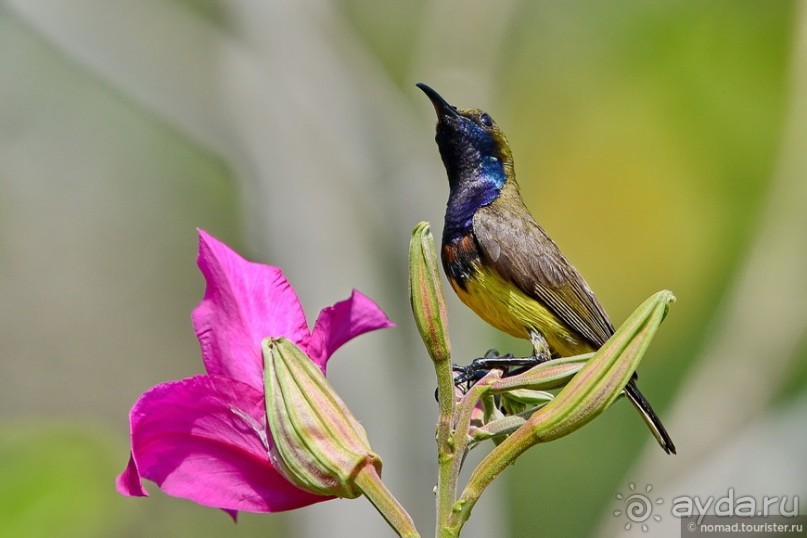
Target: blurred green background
<point x="662" y="145"/>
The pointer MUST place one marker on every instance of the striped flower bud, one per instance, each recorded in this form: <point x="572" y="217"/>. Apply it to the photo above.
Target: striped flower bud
<point x="318" y="445"/>
<point x="426" y="294"/>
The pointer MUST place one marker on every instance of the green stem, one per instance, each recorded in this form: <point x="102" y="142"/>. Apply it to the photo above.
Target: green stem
<point x="387" y="505"/>
<point x="486" y="472"/>
<point x="446" y="453"/>
<point x="450" y="467"/>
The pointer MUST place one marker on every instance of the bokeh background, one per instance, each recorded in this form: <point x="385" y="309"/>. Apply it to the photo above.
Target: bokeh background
<point x="662" y="145"/>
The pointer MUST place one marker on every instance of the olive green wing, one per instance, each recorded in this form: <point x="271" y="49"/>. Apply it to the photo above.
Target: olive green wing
<point x="517" y="247"/>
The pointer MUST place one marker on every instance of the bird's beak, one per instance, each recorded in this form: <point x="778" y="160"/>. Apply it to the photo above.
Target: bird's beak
<point x="441" y="106"/>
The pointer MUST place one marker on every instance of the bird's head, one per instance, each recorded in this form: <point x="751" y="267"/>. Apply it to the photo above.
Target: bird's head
<point x="471" y="144"/>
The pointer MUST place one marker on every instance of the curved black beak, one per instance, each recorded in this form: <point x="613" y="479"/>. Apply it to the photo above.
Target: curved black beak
<point x="441" y="106"/>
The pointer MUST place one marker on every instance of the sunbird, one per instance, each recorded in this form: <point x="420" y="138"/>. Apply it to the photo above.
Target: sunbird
<point x="503" y="265"/>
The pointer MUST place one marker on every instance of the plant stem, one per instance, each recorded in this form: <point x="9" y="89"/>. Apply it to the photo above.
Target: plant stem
<point x="488" y="470"/>
<point x="387" y="505"/>
<point x="450" y="466"/>
<point x="446" y="453"/>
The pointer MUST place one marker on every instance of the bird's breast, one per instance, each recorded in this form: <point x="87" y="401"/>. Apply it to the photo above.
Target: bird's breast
<point x="499" y="302"/>
<point x="480" y="288"/>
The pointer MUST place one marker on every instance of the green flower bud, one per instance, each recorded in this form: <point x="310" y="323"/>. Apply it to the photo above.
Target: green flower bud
<point x="318" y="445"/>
<point x="547" y="375"/>
<point x="426" y="294"/>
<point x="584" y="397"/>
<point x="603" y="377"/>
<point x="518" y="401"/>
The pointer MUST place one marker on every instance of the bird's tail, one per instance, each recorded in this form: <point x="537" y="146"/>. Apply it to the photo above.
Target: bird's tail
<point x="649" y="416"/>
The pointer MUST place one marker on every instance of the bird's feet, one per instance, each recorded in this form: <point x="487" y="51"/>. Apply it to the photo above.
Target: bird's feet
<point x="466" y="376"/>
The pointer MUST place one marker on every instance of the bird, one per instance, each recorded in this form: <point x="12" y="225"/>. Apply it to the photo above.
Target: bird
<point x="503" y="265"/>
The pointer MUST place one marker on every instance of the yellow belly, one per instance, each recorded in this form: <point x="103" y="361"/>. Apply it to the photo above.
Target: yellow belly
<point x="510" y="310"/>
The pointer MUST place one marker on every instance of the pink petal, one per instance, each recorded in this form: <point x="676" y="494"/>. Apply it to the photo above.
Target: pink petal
<point x="341" y="322"/>
<point x="244" y="303"/>
<point x="128" y="482"/>
<point x="201" y="439"/>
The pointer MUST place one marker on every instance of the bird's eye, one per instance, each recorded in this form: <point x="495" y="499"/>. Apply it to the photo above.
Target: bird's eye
<point x="486" y="120"/>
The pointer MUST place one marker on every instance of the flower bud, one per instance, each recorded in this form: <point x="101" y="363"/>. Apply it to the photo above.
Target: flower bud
<point x="426" y="294"/>
<point x="546" y="375"/>
<point x="602" y="379"/>
<point x="517" y="401"/>
<point x="317" y="443"/>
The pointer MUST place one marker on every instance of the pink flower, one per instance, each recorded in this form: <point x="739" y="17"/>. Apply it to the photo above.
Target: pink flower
<point x="205" y="438"/>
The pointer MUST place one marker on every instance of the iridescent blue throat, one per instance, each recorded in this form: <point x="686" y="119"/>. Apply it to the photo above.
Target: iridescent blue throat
<point x="471" y="193"/>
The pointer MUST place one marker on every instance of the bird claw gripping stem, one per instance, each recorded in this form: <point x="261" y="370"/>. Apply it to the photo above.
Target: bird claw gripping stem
<point x="466" y="376"/>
